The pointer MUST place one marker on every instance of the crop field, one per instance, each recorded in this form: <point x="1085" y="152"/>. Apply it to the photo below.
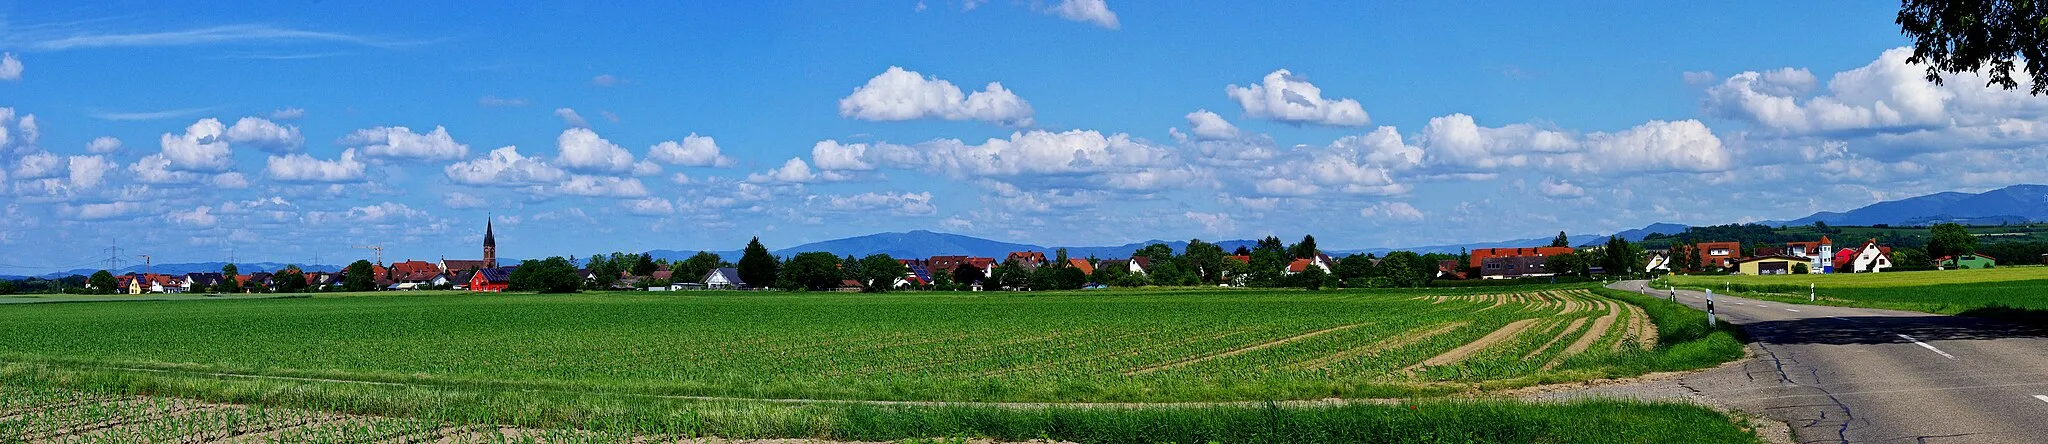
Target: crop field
<point x="1997" y="290"/>
<point x="611" y="366"/>
<point x="1202" y="346"/>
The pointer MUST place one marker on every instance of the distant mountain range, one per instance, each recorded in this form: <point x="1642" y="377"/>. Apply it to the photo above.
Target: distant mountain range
<point x="2014" y="204"/>
<point x="196" y="267"/>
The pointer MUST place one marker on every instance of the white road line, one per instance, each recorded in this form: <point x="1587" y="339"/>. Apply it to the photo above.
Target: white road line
<point x="1762" y="306"/>
<point x="1792" y="310"/>
<point x="1929" y="347"/>
<point x="2043" y="398"/>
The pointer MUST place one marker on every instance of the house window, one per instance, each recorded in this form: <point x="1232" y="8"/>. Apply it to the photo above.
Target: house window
<point x="1718" y="252"/>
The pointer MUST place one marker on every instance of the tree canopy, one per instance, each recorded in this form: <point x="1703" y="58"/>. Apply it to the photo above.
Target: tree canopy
<point x="1949" y="240"/>
<point x="756" y="266"/>
<point x="1966" y="36"/>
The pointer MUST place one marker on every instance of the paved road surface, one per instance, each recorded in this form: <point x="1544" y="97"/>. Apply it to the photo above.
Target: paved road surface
<point x="1853" y="375"/>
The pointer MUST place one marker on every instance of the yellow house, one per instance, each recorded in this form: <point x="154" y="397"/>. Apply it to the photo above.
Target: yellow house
<point x="1758" y="266"/>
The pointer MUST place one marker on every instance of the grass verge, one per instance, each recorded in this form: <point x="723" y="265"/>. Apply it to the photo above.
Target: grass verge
<point x="1473" y="421"/>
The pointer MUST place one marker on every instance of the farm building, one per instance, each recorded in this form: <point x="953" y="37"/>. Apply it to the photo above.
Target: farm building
<point x="727" y="278"/>
<point x="1758" y="266"/>
<point x="1966" y="262"/>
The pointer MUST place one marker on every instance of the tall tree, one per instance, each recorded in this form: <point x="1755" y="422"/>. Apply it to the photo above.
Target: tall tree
<point x="551" y="275"/>
<point x="1304" y="250"/>
<point x="1950" y="240"/>
<point x="643" y="265"/>
<point x="1206" y="260"/>
<point x="359" y="276"/>
<point x="756" y="266"/>
<point x="967" y="274"/>
<point x="102" y="282"/>
<point x="1561" y="240"/>
<point x="815" y="271"/>
<point x="698" y="265"/>
<point x="227" y="282"/>
<point x="1966" y="36"/>
<point x="290" y="280"/>
<point x="879" y="272"/>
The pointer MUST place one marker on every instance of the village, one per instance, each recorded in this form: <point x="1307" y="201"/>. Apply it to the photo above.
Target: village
<point x="974" y="273"/>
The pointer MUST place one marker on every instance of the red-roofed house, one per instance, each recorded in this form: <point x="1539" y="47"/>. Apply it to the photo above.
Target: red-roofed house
<point x="1719" y="254"/>
<point x="1030" y="260"/>
<point x="1086" y="268"/>
<point x="1480" y="256"/>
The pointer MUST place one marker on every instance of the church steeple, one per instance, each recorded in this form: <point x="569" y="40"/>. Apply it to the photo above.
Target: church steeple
<point x="490" y="246"/>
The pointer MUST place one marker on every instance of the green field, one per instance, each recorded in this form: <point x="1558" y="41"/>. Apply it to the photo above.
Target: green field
<point x="693" y="362"/>
<point x="1941" y="292"/>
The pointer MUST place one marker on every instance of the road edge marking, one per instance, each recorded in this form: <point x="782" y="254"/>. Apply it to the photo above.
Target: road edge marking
<point x="1929" y="347"/>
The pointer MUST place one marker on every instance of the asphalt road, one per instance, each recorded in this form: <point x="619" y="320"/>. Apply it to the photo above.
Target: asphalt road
<point x="1853" y="375"/>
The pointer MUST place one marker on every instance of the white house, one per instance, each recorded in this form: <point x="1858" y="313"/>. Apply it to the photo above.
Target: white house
<point x="1871" y="259"/>
<point x="725" y="278"/>
<point x="1658" y="262"/>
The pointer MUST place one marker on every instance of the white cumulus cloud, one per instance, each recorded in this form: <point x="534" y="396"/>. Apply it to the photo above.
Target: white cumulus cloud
<point x="401" y="142"/>
<point x="1209" y="126"/>
<point x="89" y="171"/>
<point x="899" y="94"/>
<point x="10" y="67"/>
<point x="569" y="117"/>
<point x="1285" y="97"/>
<point x="794" y="171"/>
<point x="896" y="203"/>
<point x="202" y="148"/>
<point x="1094" y="12"/>
<point x="504" y="166"/>
<point x="103" y="145"/>
<point x="1394" y="211"/>
<point x="583" y="150"/>
<point x="693" y="150"/>
<point x="304" y="168"/>
<point x="266" y="135"/>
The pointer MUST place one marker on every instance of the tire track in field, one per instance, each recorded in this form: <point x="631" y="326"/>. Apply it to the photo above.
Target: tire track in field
<point x="1467" y="350"/>
<point x="1403" y="339"/>
<point x="1240" y="350"/>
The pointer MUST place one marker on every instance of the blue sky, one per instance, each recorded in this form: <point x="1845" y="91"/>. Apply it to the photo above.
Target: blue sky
<point x="289" y="130"/>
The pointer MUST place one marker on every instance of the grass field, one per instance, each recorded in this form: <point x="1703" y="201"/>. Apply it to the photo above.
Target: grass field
<point x="2016" y="292"/>
<point x="618" y="362"/>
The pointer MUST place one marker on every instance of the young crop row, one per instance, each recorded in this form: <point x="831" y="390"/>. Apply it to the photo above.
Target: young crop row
<point x="1140" y="346"/>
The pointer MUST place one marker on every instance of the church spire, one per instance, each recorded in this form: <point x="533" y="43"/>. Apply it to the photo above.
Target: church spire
<point x="490" y="246"/>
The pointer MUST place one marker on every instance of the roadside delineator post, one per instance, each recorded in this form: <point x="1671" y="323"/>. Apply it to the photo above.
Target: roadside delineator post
<point x="1811" y="293"/>
<point x="1710" y="308"/>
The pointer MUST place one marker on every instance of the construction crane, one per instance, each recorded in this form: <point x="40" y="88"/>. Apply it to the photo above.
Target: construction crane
<point x="377" y="248"/>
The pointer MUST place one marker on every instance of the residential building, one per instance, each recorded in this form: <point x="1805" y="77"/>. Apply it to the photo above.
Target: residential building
<point x="1480" y="256"/>
<point x="1718" y="254"/>
<point x="1140" y="264"/>
<point x="1819" y="255"/>
<point x="1448" y="270"/>
<point x="946" y="264"/>
<point x="1510" y="267"/>
<point x="491" y="279"/>
<point x="1030" y="260"/>
<point x="415" y="273"/>
<point x="1872" y="258"/>
<point x="1758" y="266"/>
<point x="1082" y="264"/>
<point x="1318" y="261"/>
<point x="727" y="278"/>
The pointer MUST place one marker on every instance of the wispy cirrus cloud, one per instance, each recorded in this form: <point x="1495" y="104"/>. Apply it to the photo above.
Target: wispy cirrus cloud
<point x="151" y="115"/>
<point x="38" y="40"/>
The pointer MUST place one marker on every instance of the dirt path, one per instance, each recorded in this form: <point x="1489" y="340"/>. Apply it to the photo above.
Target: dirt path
<point x="1238" y="351"/>
<point x="1467" y="350"/>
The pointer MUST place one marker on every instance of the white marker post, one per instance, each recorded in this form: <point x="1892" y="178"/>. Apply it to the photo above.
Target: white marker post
<point x="1811" y="293"/>
<point x="1710" y="308"/>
